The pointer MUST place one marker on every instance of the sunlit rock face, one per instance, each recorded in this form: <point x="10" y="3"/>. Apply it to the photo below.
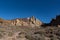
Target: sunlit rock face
<point x="30" y="21"/>
<point x="35" y="21"/>
<point x="19" y="22"/>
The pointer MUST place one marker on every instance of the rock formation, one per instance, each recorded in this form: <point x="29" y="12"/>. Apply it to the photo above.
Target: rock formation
<point x="31" y="21"/>
<point x="55" y="21"/>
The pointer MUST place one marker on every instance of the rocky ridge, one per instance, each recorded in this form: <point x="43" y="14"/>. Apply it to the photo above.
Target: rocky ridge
<point x="31" y="21"/>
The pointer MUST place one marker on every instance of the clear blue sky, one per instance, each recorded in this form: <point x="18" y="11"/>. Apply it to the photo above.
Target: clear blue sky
<point x="44" y="10"/>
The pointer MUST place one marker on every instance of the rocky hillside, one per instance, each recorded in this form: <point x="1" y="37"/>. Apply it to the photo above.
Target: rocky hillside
<point x="30" y="21"/>
<point x="29" y="29"/>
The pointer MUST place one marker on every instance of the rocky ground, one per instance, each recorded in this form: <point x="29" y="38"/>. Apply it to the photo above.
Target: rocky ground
<point x="26" y="33"/>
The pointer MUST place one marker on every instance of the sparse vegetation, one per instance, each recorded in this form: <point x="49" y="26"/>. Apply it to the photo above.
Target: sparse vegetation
<point x="1" y="36"/>
<point x="10" y="33"/>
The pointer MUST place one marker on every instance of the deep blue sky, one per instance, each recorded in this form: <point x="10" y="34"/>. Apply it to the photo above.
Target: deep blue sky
<point x="44" y="10"/>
